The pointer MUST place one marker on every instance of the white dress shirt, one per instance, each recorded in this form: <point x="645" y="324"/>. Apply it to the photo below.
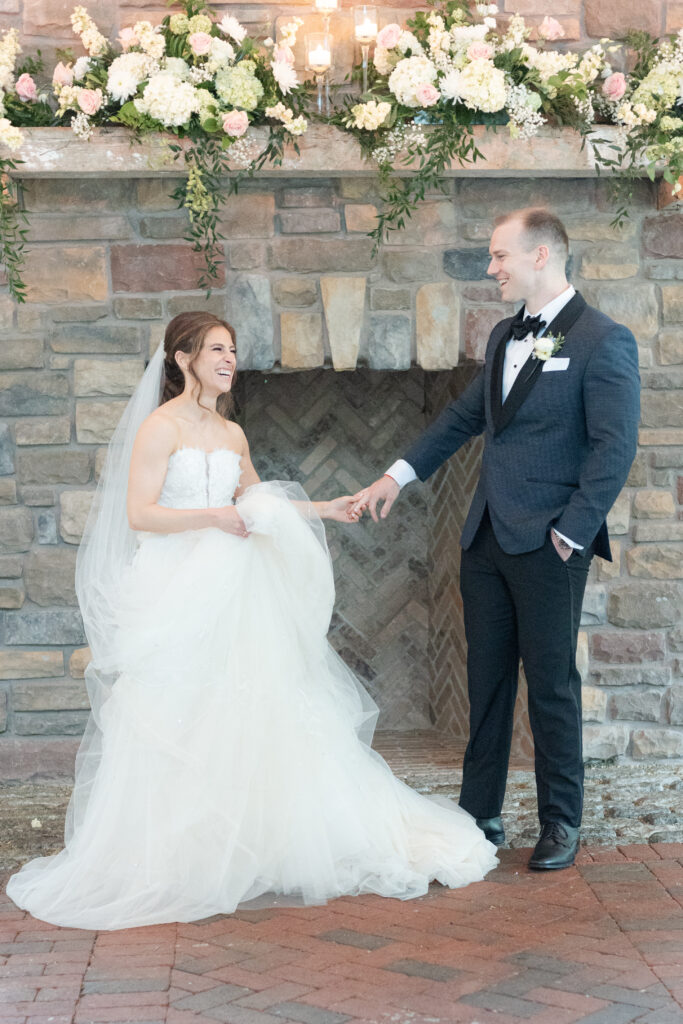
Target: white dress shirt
<point x="516" y="354"/>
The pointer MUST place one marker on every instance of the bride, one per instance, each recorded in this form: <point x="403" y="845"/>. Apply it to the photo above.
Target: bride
<point x="228" y="751"/>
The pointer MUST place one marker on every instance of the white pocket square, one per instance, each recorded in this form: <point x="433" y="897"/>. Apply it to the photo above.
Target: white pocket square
<point x="557" y="363"/>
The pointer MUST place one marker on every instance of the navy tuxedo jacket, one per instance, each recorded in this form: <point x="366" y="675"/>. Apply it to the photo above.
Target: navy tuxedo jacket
<point x="558" y="451"/>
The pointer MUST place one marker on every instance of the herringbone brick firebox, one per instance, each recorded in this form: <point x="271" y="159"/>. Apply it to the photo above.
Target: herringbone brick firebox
<point x="398" y="618"/>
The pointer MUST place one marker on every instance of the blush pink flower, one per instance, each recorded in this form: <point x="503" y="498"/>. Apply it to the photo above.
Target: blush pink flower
<point x="389" y="36"/>
<point x="480" y="51"/>
<point x="283" y="53"/>
<point x="62" y="75"/>
<point x="427" y="95"/>
<point x="200" y="42"/>
<point x="235" y="123"/>
<point x="614" y="86"/>
<point x="550" y="29"/>
<point x="127" y="38"/>
<point x="90" y="101"/>
<point x="26" y="88"/>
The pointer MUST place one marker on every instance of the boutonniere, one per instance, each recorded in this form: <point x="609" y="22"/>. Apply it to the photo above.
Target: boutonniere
<point x="547" y="346"/>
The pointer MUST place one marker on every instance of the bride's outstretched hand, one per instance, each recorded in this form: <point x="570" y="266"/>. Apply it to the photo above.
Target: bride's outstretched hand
<point x="341" y="509"/>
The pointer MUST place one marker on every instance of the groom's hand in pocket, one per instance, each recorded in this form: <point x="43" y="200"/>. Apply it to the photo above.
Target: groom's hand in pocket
<point x="384" y="491"/>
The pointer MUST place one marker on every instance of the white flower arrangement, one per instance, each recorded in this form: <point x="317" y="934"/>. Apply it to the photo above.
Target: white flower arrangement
<point x="547" y="346"/>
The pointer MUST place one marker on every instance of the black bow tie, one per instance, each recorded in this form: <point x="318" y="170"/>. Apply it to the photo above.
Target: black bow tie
<point x="520" y="328"/>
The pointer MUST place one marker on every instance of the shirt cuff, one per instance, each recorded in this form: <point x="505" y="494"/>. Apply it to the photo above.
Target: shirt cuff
<point x="402" y="472"/>
<point x="572" y="544"/>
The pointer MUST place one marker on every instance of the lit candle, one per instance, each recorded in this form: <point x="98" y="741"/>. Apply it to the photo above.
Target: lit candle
<point x="319" y="59"/>
<point x="366" y="31"/>
<point x="325" y="5"/>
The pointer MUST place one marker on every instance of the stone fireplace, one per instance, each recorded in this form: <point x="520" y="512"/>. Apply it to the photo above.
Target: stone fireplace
<point x="345" y="355"/>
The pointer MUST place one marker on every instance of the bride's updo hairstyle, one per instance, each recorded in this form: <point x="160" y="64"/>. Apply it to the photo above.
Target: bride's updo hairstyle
<point x="186" y="333"/>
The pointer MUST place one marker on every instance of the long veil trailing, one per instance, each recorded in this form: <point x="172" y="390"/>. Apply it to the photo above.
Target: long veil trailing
<point x="107" y="548"/>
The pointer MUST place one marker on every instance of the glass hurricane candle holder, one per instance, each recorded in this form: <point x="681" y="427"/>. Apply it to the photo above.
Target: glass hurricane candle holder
<point x="365" y="24"/>
<point x="319" y="61"/>
<point x="326" y="8"/>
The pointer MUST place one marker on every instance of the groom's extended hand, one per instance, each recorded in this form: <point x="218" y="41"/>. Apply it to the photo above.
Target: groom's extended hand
<point x="384" y="490"/>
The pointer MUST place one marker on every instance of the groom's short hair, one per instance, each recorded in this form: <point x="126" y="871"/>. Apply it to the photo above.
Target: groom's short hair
<point x="541" y="227"/>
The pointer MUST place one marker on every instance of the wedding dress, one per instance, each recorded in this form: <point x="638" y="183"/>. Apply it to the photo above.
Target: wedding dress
<point x="234" y="754"/>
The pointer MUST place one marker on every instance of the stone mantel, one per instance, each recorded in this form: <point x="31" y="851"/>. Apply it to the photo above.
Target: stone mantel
<point x="324" y="151"/>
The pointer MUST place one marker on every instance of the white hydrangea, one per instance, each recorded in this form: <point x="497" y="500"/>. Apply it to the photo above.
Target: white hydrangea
<point x="168" y="100"/>
<point x="125" y="74"/>
<point x="483" y="86"/>
<point x="220" y="54"/>
<point x="238" y="86"/>
<point x="178" y="67"/>
<point x="407" y="41"/>
<point x="10" y="135"/>
<point x="384" y="60"/>
<point x="370" y="115"/>
<point x="408" y="75"/>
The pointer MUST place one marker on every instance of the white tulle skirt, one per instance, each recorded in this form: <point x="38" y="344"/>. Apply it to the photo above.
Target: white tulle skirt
<point x="231" y="757"/>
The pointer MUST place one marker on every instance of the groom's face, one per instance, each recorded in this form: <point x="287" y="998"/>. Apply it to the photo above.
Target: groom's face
<point x="513" y="264"/>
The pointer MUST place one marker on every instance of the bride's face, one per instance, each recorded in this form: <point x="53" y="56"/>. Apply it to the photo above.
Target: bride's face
<point x="215" y="365"/>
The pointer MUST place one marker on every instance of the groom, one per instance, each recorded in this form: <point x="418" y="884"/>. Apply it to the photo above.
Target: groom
<point x="558" y="404"/>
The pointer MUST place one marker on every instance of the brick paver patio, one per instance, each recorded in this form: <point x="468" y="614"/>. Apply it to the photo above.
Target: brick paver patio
<point x="601" y="943"/>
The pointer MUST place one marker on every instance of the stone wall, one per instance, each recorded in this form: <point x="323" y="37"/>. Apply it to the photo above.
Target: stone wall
<point x="44" y="24"/>
<point x="108" y="267"/>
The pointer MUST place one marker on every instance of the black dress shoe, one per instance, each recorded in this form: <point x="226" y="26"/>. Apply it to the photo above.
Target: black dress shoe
<point x="492" y="829"/>
<point x="556" y="847"/>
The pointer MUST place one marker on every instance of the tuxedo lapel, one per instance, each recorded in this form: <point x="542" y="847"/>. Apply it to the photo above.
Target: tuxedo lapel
<point x="496" y="383"/>
<point x="532" y="368"/>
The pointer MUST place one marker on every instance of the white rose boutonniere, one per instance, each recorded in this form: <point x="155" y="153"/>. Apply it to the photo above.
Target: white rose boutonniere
<point x="547" y="346"/>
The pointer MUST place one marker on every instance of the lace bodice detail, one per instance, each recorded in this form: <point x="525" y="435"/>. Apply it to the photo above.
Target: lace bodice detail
<point x="199" y="479"/>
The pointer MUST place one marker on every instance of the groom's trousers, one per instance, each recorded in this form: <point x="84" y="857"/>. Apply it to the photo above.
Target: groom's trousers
<point x="526" y="606"/>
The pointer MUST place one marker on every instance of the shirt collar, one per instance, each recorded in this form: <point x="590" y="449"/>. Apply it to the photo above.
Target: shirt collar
<point x="552" y="308"/>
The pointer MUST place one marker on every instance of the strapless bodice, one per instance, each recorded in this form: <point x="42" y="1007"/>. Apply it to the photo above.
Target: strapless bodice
<point x="199" y="479"/>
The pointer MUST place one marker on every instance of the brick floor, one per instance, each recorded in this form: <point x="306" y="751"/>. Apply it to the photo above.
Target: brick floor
<point x="600" y="943"/>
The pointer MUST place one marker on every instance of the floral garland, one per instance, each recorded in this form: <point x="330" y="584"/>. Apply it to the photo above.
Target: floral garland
<point x="200" y="80"/>
<point x="649" y="112"/>
<point x="451" y="68"/>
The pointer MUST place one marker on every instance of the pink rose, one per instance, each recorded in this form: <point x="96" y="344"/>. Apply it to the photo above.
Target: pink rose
<point x="235" y="123"/>
<point x="90" y="101"/>
<point x="389" y="36"/>
<point x="26" y="88"/>
<point x="480" y="51"/>
<point x="62" y="75"/>
<point x="550" y="29"/>
<point x="427" y="95"/>
<point x="283" y="53"/>
<point x="200" y="42"/>
<point x="127" y="38"/>
<point x="614" y="86"/>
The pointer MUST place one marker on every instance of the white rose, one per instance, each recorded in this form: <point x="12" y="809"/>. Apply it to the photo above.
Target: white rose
<point x="543" y="348"/>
